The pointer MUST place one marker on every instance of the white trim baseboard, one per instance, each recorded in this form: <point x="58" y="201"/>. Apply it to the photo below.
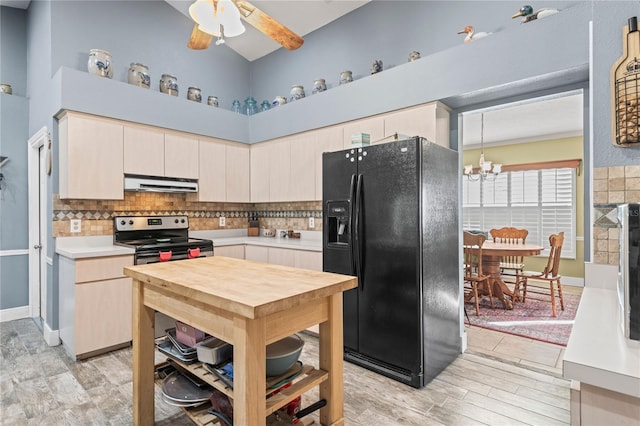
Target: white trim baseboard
<point x="14" y="252"/>
<point x="574" y="281"/>
<point x="11" y="314"/>
<point x="52" y="337"/>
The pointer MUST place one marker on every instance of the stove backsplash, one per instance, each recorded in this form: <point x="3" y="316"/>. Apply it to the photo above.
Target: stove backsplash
<point x="97" y="215"/>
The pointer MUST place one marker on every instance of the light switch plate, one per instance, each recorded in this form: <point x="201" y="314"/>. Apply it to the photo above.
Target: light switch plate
<point x="75" y="225"/>
<point x="312" y="222"/>
<point x="223" y="221"/>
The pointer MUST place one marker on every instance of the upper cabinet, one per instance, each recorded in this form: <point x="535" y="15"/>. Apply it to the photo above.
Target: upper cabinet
<point x="259" y="161"/>
<point x="328" y="139"/>
<point x="223" y="171"/>
<point x="431" y="121"/>
<point x="373" y="126"/>
<point x="151" y="151"/>
<point x="91" y="157"/>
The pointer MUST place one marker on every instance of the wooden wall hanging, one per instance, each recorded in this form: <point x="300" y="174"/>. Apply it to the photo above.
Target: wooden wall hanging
<point x="625" y="89"/>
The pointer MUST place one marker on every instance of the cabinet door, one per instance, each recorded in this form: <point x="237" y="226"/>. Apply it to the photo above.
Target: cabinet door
<point x="143" y="151"/>
<point x="212" y="170"/>
<point x="91" y="157"/>
<point x="327" y="140"/>
<point x="180" y="156"/>
<point x="284" y="257"/>
<point x="237" y="252"/>
<point x="103" y="314"/>
<point x="279" y="170"/>
<point x="256" y="253"/>
<point x="308" y="260"/>
<point x="373" y="126"/>
<point x="303" y="168"/>
<point x="259" y="156"/>
<point x="431" y="121"/>
<point x="238" y="175"/>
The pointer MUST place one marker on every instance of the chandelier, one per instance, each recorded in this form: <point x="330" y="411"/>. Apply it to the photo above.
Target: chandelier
<point x="485" y="171"/>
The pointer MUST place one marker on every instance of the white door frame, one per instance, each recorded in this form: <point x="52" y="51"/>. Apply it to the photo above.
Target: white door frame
<point x="38" y="260"/>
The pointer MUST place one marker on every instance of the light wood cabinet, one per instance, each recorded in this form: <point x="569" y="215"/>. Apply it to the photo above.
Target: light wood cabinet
<point x="303" y="169"/>
<point x="236" y="252"/>
<point x="180" y="155"/>
<point x="237" y="173"/>
<point x="90" y="157"/>
<point x="259" y="160"/>
<point x="212" y="169"/>
<point x="284" y="257"/>
<point x="280" y="171"/>
<point x="431" y="121"/>
<point x="256" y="253"/>
<point x="374" y="126"/>
<point x="94" y="304"/>
<point x="143" y="150"/>
<point x="308" y="260"/>
<point x="328" y="139"/>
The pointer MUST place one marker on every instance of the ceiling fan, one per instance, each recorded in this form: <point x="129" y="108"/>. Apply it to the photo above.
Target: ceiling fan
<point x="217" y="12"/>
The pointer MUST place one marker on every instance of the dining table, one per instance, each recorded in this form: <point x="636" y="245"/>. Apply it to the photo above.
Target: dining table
<point x="492" y="254"/>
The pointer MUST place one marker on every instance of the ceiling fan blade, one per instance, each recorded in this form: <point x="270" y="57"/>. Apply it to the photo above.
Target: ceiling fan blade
<point x="199" y="40"/>
<point x="269" y="26"/>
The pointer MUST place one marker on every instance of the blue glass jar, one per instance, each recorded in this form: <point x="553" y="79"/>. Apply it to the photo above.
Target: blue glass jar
<point x="235" y="106"/>
<point x="250" y="106"/>
<point x="265" y="105"/>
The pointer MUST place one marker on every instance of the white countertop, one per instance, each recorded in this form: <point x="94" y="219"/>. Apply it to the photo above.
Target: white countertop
<point x="85" y="247"/>
<point x="597" y="352"/>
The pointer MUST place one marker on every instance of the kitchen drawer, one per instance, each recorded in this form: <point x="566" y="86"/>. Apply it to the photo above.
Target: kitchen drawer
<point x="101" y="268"/>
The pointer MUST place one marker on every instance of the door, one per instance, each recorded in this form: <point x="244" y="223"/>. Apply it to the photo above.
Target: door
<point x="338" y="185"/>
<point x="39" y="146"/>
<point x="389" y="238"/>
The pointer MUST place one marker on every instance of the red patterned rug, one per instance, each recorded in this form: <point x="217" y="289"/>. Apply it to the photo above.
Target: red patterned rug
<point x="531" y="319"/>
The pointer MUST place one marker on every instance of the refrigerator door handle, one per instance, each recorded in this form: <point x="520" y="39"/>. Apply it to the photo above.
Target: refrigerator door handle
<point x="352" y="235"/>
<point x="357" y="241"/>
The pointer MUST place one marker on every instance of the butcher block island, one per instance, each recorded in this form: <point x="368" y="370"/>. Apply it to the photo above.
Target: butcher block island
<point x="249" y="305"/>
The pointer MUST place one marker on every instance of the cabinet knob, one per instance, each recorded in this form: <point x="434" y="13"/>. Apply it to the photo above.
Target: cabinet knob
<point x="37" y="246"/>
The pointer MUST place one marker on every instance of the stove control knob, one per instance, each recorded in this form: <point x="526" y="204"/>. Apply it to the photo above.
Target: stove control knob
<point x="130" y="221"/>
<point x="176" y="221"/>
<point x="182" y="221"/>
<point x="122" y="222"/>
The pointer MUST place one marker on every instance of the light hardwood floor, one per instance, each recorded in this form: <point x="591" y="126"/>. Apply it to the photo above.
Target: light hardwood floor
<point x="501" y="379"/>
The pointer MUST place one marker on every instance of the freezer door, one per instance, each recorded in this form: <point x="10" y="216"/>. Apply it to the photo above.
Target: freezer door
<point x="389" y="233"/>
<point x="338" y="186"/>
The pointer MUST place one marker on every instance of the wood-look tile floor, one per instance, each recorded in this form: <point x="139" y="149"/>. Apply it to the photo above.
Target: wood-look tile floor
<point x="501" y="379"/>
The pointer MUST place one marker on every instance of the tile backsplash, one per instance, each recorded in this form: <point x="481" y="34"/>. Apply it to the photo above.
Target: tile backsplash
<point x="97" y="215"/>
<point x="611" y="186"/>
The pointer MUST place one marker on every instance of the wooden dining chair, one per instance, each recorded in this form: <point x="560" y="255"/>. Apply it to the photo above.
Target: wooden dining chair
<point x="473" y="274"/>
<point x="510" y="265"/>
<point x="548" y="281"/>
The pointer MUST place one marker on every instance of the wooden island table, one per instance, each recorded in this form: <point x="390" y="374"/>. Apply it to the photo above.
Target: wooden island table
<point x="250" y="305"/>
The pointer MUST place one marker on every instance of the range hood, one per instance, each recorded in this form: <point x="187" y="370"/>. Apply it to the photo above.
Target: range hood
<point x="159" y="184"/>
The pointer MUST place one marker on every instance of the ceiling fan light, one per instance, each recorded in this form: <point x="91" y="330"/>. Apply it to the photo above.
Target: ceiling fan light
<point x="228" y="15"/>
<point x="233" y="28"/>
<point x="201" y="11"/>
<point x="212" y="28"/>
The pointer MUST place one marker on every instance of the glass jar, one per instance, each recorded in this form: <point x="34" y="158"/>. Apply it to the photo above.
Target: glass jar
<point x="100" y="63"/>
<point x="250" y="106"/>
<point x="265" y="105"/>
<point x="139" y="75"/>
<point x="169" y="85"/>
<point x="235" y="106"/>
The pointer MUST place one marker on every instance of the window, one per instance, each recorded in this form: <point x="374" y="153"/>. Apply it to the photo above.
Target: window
<point x="541" y="201"/>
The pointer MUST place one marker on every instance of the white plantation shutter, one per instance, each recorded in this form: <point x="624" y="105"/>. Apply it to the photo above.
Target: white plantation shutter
<point x="541" y="201"/>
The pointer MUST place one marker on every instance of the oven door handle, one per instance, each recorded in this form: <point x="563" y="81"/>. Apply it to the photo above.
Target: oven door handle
<point x="193" y="253"/>
<point x="165" y="255"/>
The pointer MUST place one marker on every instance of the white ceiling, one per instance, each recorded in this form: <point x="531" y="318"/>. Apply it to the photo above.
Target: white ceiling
<point x="545" y="118"/>
<point x="301" y="17"/>
<point x="551" y="117"/>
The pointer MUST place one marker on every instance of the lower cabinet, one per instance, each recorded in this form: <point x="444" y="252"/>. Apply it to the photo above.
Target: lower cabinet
<point x="256" y="253"/>
<point x="95" y="305"/>
<point x="236" y="252"/>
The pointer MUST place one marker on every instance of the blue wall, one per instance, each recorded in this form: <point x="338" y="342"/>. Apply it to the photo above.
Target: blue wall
<point x="14" y="110"/>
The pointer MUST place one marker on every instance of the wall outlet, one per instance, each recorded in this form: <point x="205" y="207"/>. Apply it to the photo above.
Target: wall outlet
<point x="223" y="221"/>
<point x="312" y="222"/>
<point x="76" y="225"/>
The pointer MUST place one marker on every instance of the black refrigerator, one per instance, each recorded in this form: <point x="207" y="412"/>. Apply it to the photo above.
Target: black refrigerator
<point x="390" y="215"/>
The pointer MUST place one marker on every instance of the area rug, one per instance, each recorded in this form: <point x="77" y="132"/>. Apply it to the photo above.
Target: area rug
<point x="531" y="319"/>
